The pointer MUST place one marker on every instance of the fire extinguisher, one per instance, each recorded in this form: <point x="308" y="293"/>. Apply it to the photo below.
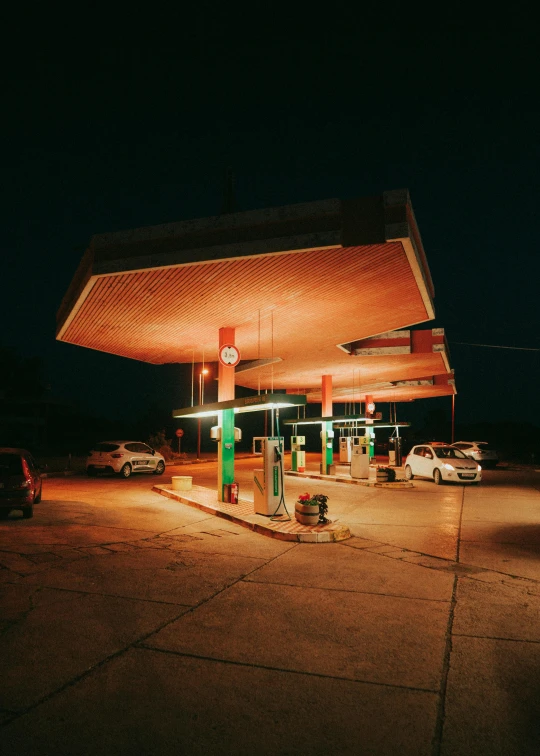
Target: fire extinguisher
<point x="234" y="493"/>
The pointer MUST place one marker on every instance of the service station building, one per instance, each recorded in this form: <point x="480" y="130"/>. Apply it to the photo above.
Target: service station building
<point x="307" y="303"/>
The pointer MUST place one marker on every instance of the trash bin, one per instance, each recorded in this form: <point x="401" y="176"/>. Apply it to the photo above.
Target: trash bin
<point x="181" y="482"/>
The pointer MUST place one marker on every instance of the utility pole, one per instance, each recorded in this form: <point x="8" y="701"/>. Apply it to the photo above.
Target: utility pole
<point x="203" y="372"/>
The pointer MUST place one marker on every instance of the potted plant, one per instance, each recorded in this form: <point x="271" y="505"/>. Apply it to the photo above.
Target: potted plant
<point x="385" y="474"/>
<point x="311" y="509"/>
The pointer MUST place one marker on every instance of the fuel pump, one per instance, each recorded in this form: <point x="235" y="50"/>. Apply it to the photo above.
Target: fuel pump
<point x="298" y="455"/>
<point x="395" y="456"/>
<point x="268" y="481"/>
<point x="345" y="448"/>
<point x="360" y="457"/>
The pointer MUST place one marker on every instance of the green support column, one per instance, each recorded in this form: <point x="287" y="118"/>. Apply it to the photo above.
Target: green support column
<point x="294" y="453"/>
<point x="329" y="456"/>
<point x="327" y="448"/>
<point x="370" y="431"/>
<point x="226" y="449"/>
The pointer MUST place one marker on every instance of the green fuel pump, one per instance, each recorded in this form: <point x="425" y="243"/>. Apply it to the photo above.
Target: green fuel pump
<point x="298" y="455"/>
<point x="268" y="480"/>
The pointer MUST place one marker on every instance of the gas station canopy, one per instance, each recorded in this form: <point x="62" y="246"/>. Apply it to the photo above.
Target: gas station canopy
<point x="243" y="404"/>
<point x="321" y="288"/>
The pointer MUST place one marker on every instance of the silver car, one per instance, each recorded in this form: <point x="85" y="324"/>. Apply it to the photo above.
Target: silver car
<point x="124" y="458"/>
<point x="480" y="451"/>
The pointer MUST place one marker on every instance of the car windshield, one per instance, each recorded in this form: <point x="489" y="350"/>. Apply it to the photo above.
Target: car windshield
<point x="10" y="464"/>
<point x="448" y="452"/>
<point x="483" y="446"/>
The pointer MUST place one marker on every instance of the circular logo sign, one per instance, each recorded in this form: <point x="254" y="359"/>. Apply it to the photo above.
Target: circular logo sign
<point x="179" y="432"/>
<point x="229" y="355"/>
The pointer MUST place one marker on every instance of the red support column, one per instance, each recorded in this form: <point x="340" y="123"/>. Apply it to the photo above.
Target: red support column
<point x="369" y="400"/>
<point x="225" y="372"/>
<point x="326" y="408"/>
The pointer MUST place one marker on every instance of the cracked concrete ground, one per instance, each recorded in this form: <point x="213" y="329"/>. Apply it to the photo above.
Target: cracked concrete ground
<point x="132" y="623"/>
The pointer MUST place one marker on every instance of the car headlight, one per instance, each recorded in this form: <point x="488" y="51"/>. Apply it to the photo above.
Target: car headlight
<point x="448" y="466"/>
<point x="479" y="468"/>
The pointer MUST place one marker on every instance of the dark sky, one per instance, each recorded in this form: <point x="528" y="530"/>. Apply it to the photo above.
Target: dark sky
<point x="119" y="123"/>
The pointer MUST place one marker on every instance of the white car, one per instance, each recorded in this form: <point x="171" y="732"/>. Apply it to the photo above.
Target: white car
<point x="440" y="463"/>
<point x="124" y="458"/>
<point x="480" y="451"/>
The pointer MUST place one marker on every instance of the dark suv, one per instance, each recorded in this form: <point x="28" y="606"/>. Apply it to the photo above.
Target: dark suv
<point x="20" y="481"/>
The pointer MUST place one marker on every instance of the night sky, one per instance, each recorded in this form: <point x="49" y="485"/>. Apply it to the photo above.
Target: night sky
<point x="113" y="124"/>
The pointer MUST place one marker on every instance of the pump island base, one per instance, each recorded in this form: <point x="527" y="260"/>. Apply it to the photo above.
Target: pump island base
<point x="242" y="514"/>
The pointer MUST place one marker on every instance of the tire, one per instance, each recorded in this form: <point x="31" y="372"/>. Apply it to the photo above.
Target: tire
<point x="37" y="498"/>
<point x="437" y="477"/>
<point x="28" y="512"/>
<point x="4" y="514"/>
<point x="91" y="472"/>
<point x="160" y="468"/>
<point x="408" y="472"/>
<point x="125" y="472"/>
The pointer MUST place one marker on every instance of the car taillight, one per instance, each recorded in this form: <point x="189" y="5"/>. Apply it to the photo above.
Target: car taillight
<point x="27" y="482"/>
<point x="116" y="456"/>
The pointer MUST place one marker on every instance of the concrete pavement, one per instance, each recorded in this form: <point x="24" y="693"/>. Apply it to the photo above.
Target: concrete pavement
<point x="133" y="623"/>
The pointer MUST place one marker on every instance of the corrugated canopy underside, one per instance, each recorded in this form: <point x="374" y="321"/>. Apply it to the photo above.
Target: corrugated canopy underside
<point x="294" y="304"/>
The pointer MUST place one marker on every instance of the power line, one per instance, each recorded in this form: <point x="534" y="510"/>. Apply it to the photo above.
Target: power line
<point x="497" y="346"/>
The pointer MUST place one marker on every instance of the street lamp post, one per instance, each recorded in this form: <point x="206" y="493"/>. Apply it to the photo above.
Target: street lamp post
<point x="203" y="372"/>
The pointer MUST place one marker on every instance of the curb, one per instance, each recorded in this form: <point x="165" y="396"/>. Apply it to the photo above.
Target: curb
<point x="353" y="481"/>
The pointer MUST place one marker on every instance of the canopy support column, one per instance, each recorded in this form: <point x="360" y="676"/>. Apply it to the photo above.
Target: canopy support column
<point x="225" y="417"/>
<point x="327" y="433"/>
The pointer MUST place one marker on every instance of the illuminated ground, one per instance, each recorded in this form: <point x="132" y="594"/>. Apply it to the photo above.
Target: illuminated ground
<point x="130" y="622"/>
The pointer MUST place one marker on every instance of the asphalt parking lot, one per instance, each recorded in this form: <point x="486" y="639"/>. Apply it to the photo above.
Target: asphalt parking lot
<point x="133" y="623"/>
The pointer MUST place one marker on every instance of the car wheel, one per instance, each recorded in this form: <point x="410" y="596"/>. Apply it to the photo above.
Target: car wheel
<point x="437" y="477"/>
<point x="28" y="512"/>
<point x="125" y="472"/>
<point x="4" y="514"/>
<point x="160" y="468"/>
<point x="91" y="472"/>
<point x="37" y="498"/>
<point x="408" y="472"/>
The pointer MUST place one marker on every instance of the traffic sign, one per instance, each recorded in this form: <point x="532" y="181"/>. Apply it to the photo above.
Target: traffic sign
<point x="179" y="432"/>
<point x="229" y="355"/>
